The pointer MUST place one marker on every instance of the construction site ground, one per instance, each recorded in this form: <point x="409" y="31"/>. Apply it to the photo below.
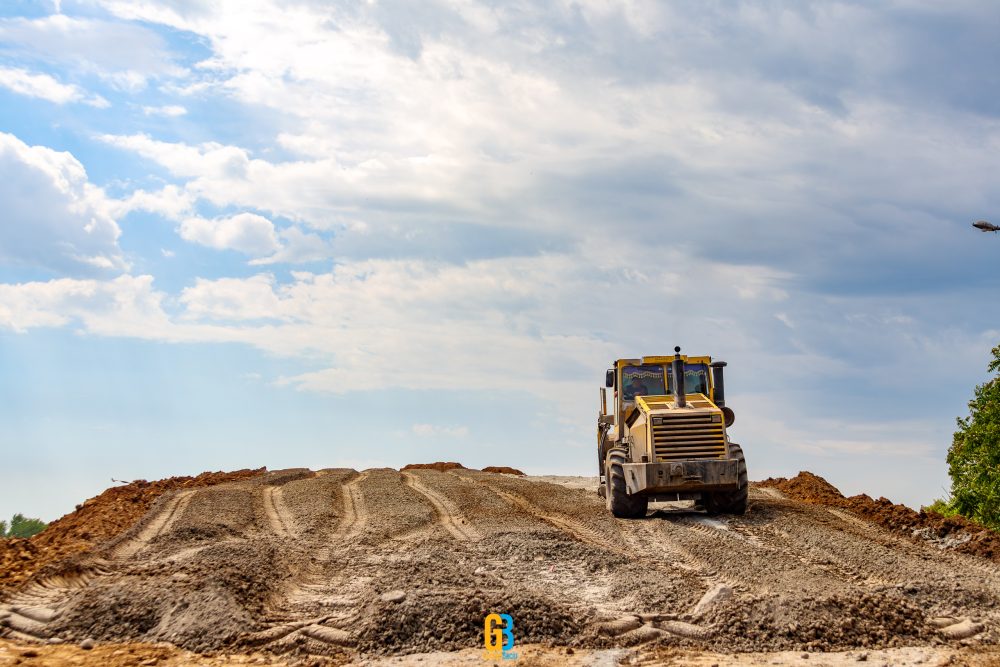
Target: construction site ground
<point x="401" y="567"/>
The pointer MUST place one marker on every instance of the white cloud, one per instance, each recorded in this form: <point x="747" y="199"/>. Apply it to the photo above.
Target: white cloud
<point x="126" y="55"/>
<point x="46" y="87"/>
<point x="170" y="201"/>
<point x="53" y="216"/>
<point x="124" y="306"/>
<point x="522" y="324"/>
<point x="438" y="431"/>
<point x="208" y="160"/>
<point x="170" y="110"/>
<point x="248" y="233"/>
<point x="499" y="124"/>
<point x="297" y="247"/>
<point x="229" y="299"/>
<point x="519" y="193"/>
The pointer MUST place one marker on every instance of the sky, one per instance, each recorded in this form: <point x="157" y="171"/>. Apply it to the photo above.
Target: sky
<point x="266" y="233"/>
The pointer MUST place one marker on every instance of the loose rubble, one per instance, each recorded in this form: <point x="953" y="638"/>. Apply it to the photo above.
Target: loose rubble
<point x="339" y="565"/>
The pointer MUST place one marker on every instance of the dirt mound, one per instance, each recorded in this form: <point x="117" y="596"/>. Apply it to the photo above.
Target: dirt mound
<point x="444" y="466"/>
<point x="956" y="532"/>
<point x="440" y="466"/>
<point x="346" y="565"/>
<point x="807" y="487"/>
<point x="93" y="522"/>
<point x="441" y="622"/>
<point x="154" y="604"/>
<point x="503" y="469"/>
<point x="833" y="623"/>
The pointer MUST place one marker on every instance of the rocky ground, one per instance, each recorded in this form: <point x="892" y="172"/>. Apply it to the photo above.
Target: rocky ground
<point x="401" y="567"/>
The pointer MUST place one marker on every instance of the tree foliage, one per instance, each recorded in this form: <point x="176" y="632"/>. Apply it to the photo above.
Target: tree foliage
<point x="974" y="457"/>
<point x="21" y="526"/>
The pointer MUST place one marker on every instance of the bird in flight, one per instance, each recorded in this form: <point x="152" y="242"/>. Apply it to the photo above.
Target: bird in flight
<point x="985" y="226"/>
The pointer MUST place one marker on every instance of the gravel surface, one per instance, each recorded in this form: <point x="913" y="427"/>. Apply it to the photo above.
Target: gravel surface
<point x="347" y="565"/>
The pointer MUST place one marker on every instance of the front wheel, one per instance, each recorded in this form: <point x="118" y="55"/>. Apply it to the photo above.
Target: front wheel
<point x="735" y="501"/>
<point x="621" y="504"/>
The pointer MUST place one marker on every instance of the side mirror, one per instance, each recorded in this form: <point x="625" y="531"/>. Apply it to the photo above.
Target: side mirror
<point x="609" y="378"/>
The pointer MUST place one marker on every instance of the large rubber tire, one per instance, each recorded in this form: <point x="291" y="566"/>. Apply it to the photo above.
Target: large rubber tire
<point x="731" y="502"/>
<point x="621" y="504"/>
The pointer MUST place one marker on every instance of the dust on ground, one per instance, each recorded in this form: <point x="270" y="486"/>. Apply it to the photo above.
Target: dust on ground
<point x="341" y="566"/>
<point x="93" y="522"/>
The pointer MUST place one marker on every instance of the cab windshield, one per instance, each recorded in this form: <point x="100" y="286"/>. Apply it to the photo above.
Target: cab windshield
<point x="695" y="379"/>
<point x="650" y="380"/>
<point x="642" y="381"/>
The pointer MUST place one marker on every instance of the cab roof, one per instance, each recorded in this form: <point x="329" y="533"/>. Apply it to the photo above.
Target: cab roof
<point x="657" y="360"/>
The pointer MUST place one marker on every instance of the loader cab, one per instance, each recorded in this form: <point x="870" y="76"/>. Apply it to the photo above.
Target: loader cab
<point x="650" y="376"/>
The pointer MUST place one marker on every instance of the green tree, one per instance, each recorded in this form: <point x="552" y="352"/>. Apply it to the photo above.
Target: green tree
<point x="21" y="526"/>
<point x="3" y="528"/>
<point x="974" y="457"/>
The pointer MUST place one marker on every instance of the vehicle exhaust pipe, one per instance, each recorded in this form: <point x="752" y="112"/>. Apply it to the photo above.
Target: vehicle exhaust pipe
<point x="719" y="383"/>
<point x="678" y="373"/>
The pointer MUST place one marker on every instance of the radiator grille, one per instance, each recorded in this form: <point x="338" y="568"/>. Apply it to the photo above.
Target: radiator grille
<point x="679" y="437"/>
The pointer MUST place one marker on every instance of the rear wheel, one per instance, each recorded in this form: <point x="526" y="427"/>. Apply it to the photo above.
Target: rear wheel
<point x="621" y="504"/>
<point x="735" y="501"/>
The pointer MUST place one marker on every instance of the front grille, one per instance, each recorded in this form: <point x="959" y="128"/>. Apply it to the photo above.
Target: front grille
<point x="679" y="437"/>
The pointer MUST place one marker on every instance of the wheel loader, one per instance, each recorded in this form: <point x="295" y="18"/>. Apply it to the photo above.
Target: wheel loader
<point x="665" y="437"/>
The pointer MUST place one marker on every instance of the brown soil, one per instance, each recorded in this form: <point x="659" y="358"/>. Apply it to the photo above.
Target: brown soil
<point x="440" y="466"/>
<point x="532" y="655"/>
<point x="952" y="532"/>
<point x="347" y="566"/>
<point x="504" y="470"/>
<point x="93" y="522"/>
<point x="807" y="487"/>
<point x="445" y="466"/>
<point x="122" y="655"/>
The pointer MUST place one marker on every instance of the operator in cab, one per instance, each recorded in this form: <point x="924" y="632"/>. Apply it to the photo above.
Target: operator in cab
<point x="634" y="388"/>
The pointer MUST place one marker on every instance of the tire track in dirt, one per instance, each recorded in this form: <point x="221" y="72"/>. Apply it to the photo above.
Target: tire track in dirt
<point x="354" y="517"/>
<point x="447" y="514"/>
<point x="334" y="579"/>
<point x="648" y="537"/>
<point x="561" y="522"/>
<point x="756" y="557"/>
<point x="278" y="516"/>
<point x="355" y="511"/>
<point x="41" y="610"/>
<point x="866" y="558"/>
<point x="606" y="575"/>
<point x="160" y="524"/>
<point x="574" y="529"/>
<point x="640" y="540"/>
<point x="27" y="614"/>
<point x="316" y="593"/>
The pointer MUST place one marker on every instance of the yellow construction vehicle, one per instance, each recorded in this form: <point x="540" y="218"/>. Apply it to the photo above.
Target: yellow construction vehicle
<point x="665" y="437"/>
